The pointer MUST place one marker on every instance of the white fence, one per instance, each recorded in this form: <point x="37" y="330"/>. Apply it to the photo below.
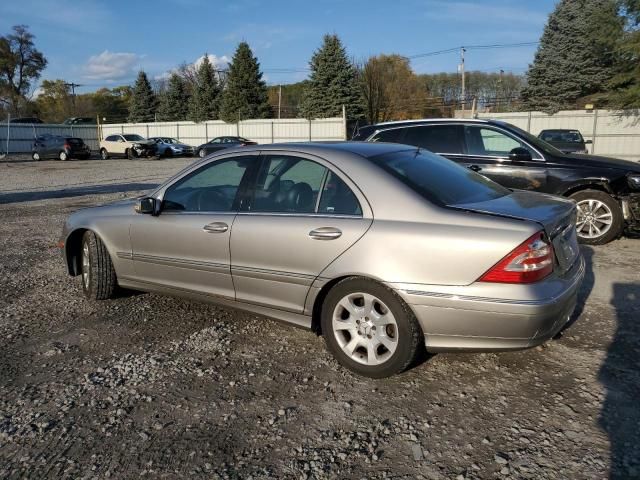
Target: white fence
<point x="21" y="136"/>
<point x="613" y="134"/>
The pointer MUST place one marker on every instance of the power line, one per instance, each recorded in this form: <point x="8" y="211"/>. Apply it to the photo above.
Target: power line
<point x="473" y="47"/>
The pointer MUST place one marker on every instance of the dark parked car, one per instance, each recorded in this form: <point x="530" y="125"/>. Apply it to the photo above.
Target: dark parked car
<point x="60" y="147"/>
<point x="220" y="143"/>
<point x="607" y="190"/>
<point x="28" y="120"/>
<point x="568" y="141"/>
<point x="80" y="121"/>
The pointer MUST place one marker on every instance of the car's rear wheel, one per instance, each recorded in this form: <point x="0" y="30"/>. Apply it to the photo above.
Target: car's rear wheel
<point x="35" y="156"/>
<point x="63" y="156"/>
<point x="600" y="218"/>
<point x="369" y="329"/>
<point x="104" y="155"/>
<point x="98" y="275"/>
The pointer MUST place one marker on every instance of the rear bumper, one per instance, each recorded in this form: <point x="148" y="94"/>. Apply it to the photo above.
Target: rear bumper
<point x="494" y="317"/>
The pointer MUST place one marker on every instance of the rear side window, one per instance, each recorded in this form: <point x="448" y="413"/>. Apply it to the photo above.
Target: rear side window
<point x="337" y="198"/>
<point x="391" y="136"/>
<point x="437" y="179"/>
<point x="436" y="138"/>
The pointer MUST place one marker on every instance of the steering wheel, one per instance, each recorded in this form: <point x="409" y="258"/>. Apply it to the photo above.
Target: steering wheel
<point x="210" y="200"/>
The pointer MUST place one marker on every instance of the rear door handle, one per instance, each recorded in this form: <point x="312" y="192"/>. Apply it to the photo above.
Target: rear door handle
<point x="325" y="233"/>
<point x="216" y="227"/>
<point x="475" y="168"/>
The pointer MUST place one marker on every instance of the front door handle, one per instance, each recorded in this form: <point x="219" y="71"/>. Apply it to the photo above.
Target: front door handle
<point x="475" y="168"/>
<point x="216" y="227"/>
<point x="325" y="233"/>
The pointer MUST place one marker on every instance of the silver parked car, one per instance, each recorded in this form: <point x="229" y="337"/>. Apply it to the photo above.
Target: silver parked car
<point x="168" y="147"/>
<point x="382" y="248"/>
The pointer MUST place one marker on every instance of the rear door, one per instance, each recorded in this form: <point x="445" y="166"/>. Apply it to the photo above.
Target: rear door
<point x="302" y="214"/>
<point x="487" y="152"/>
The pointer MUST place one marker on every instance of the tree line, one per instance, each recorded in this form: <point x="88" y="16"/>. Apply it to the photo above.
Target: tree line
<point x="589" y="52"/>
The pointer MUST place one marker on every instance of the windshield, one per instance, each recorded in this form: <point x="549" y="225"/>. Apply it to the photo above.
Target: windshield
<point x="133" y="138"/>
<point x="533" y="140"/>
<point x="437" y="179"/>
<point x="564" y="136"/>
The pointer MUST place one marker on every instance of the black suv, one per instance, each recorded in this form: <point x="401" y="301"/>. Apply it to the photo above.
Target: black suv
<point x="606" y="190"/>
<point x="60" y="147"/>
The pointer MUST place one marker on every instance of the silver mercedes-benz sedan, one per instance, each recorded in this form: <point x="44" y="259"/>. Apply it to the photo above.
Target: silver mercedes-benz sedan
<point x="381" y="248"/>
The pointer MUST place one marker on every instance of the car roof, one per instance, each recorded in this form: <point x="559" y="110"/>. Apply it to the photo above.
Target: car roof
<point x="363" y="149"/>
<point x="431" y="120"/>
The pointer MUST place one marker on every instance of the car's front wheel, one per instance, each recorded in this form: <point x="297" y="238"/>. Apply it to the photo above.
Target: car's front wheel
<point x="369" y="329"/>
<point x="35" y="156"/>
<point x="98" y="275"/>
<point x="202" y="153"/>
<point x="600" y="219"/>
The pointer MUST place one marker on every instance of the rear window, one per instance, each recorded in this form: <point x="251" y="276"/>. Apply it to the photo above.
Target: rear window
<point x="75" y="141"/>
<point x="437" y="179"/>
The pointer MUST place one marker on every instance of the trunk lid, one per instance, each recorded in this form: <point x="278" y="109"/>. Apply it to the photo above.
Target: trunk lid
<point x="555" y="214"/>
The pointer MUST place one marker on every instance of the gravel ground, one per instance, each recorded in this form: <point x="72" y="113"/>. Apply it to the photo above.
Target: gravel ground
<point x="166" y="388"/>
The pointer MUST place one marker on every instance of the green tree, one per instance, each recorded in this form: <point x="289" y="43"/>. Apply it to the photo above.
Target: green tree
<point x="576" y="55"/>
<point x="54" y="103"/>
<point x="174" y="102"/>
<point x="20" y="65"/>
<point x="206" y="93"/>
<point x="625" y="85"/>
<point x="143" y="105"/>
<point x="245" y="93"/>
<point x="332" y="83"/>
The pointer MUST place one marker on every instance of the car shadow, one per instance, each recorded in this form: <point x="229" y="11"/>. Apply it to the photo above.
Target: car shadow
<point x="74" y="192"/>
<point x="620" y="375"/>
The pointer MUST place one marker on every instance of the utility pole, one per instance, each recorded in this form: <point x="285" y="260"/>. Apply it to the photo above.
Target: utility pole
<point x="462" y="50"/>
<point x="279" y="99"/>
<point x="73" y="86"/>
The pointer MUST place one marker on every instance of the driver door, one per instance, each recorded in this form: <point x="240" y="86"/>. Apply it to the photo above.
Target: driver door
<point x="186" y="247"/>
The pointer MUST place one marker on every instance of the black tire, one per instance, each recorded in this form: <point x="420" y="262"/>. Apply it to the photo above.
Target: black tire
<point x="409" y="334"/>
<point x="167" y="153"/>
<point x="36" y="156"/>
<point x="617" y="218"/>
<point x="99" y="280"/>
<point x="128" y="153"/>
<point x="202" y="153"/>
<point x="104" y="155"/>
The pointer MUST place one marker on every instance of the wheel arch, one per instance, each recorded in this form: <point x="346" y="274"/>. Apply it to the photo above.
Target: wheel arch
<point x="73" y="249"/>
<point x="601" y="185"/>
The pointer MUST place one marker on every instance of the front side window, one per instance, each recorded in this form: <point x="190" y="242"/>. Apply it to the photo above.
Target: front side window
<point x="436" y="138"/>
<point x="133" y="137"/>
<point x="212" y="188"/>
<point x="437" y="179"/>
<point x="216" y="140"/>
<point x="489" y="142"/>
<point x="112" y="138"/>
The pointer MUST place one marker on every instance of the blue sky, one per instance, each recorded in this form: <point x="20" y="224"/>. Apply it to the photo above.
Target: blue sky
<point x="104" y="43"/>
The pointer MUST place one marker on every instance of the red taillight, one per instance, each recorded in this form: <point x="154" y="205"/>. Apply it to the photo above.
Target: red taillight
<point x="530" y="262"/>
<point x="67" y="146"/>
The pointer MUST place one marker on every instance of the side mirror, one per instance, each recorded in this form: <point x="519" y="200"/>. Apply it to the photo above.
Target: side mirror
<point x="588" y="142"/>
<point x="148" y="205"/>
<point x="520" y="154"/>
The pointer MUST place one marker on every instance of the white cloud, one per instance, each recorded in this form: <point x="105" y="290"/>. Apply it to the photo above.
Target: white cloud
<point x="111" y="65"/>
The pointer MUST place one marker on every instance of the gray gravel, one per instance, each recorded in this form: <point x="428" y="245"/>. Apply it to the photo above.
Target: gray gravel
<point x="155" y="386"/>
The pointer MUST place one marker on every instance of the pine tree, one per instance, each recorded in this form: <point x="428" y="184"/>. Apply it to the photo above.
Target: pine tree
<point x="174" y="103"/>
<point x="575" y="57"/>
<point x="143" y="101"/>
<point x="332" y="83"/>
<point x="245" y="93"/>
<point x="205" y="100"/>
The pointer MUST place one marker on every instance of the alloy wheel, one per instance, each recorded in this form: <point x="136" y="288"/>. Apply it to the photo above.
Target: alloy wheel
<point x="365" y="328"/>
<point x="594" y="218"/>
